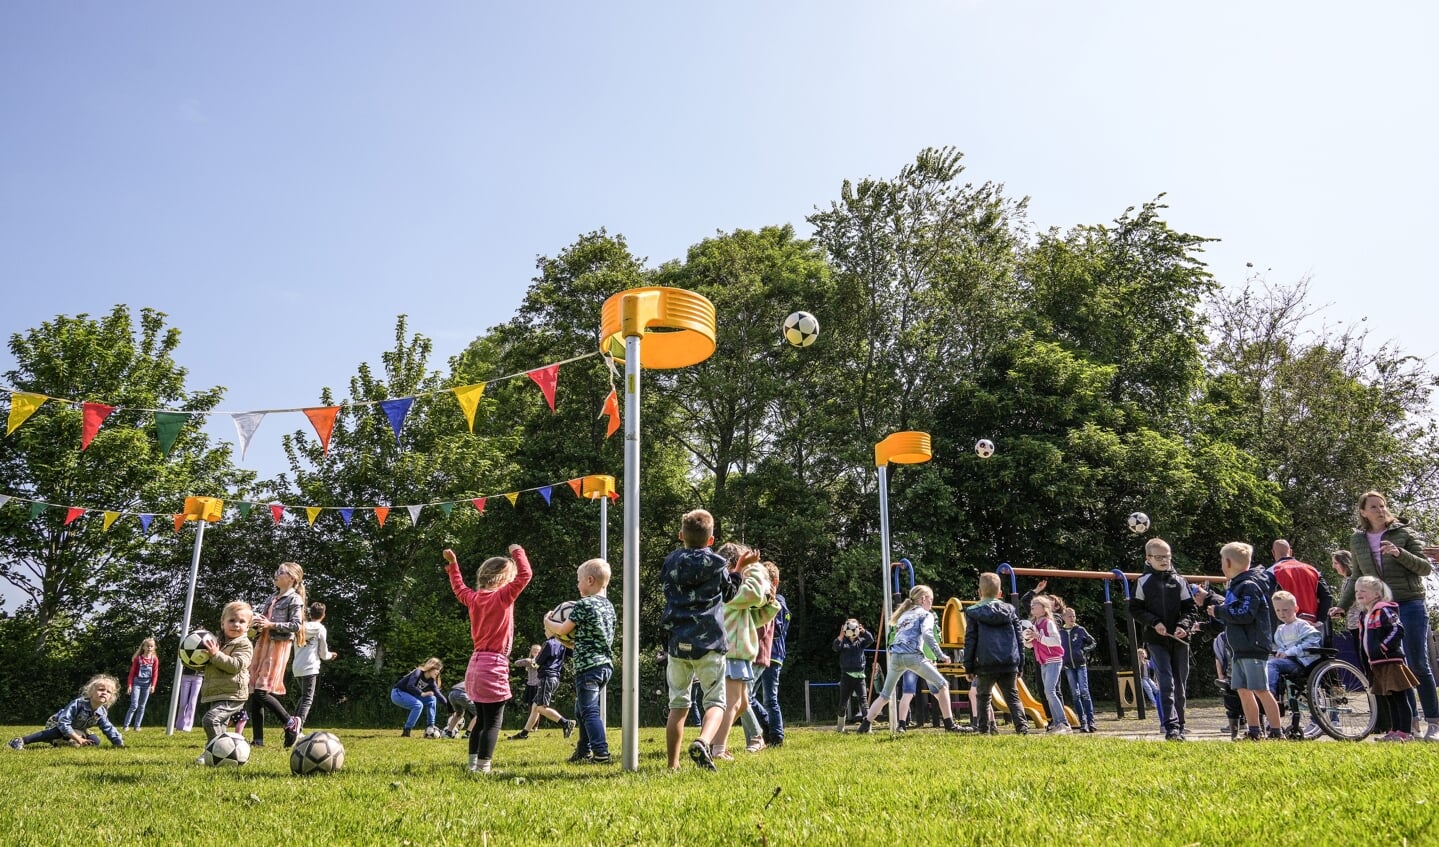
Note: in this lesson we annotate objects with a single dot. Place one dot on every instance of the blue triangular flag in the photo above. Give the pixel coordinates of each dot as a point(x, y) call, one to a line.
point(545, 493)
point(396, 410)
point(145, 522)
point(345, 515)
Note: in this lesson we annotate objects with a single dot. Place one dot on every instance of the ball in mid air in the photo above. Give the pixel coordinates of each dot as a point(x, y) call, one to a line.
point(801, 329)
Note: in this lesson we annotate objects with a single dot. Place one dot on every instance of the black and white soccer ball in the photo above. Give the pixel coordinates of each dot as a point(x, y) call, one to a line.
point(318, 752)
point(560, 614)
point(228, 749)
point(193, 654)
point(1138, 522)
point(984, 447)
point(432, 731)
point(801, 329)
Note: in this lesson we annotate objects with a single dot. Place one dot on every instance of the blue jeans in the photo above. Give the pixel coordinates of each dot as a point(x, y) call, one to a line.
point(406, 700)
point(589, 684)
point(1171, 671)
point(768, 687)
point(139, 696)
point(753, 719)
point(1415, 619)
point(1079, 688)
point(1276, 667)
point(1049, 674)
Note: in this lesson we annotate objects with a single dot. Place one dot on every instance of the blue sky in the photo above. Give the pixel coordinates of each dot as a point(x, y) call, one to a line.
point(284, 179)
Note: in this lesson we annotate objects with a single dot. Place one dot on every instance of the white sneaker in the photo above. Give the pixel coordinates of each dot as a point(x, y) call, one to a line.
point(1432, 733)
point(1312, 731)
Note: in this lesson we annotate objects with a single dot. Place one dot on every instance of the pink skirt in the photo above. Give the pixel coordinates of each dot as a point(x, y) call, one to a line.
point(267, 671)
point(487, 678)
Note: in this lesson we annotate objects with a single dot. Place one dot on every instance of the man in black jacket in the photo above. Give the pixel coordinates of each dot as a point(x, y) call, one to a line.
point(1163, 609)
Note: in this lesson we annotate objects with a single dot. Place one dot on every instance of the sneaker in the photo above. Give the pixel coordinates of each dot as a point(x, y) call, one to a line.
point(567, 728)
point(17, 744)
point(1253, 735)
point(525, 733)
point(576, 758)
point(200, 760)
point(1396, 736)
point(700, 755)
point(1173, 735)
point(292, 731)
point(598, 760)
point(1059, 729)
point(1276, 734)
point(260, 743)
point(1432, 732)
point(1312, 731)
point(482, 766)
point(404, 733)
point(864, 726)
point(754, 746)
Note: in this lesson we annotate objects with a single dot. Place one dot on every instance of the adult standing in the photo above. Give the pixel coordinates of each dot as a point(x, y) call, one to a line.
point(1385, 547)
point(1311, 593)
point(1164, 609)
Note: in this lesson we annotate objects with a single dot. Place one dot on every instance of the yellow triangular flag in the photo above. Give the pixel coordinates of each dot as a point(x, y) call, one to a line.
point(469, 397)
point(512, 497)
point(313, 512)
point(22, 406)
point(110, 517)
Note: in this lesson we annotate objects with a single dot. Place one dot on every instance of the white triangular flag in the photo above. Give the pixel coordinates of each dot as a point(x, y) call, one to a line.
point(415, 514)
point(4, 498)
point(245, 425)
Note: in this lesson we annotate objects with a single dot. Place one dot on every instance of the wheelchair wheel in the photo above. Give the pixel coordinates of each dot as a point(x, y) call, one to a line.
point(1340, 700)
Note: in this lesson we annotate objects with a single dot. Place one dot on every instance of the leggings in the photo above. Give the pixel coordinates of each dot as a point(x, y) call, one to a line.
point(850, 689)
point(1401, 713)
point(307, 696)
point(487, 729)
point(259, 702)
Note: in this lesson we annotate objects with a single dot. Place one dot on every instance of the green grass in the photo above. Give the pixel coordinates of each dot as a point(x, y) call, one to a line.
point(924, 787)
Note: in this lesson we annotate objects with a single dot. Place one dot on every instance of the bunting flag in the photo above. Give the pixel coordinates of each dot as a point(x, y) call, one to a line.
point(546, 378)
point(396, 410)
point(545, 493)
point(614, 496)
point(479, 504)
point(415, 514)
point(576, 486)
point(245, 509)
point(4, 498)
point(313, 512)
point(612, 409)
point(94, 414)
point(324, 422)
point(179, 521)
point(167, 428)
point(446, 508)
point(22, 406)
point(382, 512)
point(245, 425)
point(512, 497)
point(71, 514)
point(36, 509)
point(110, 518)
point(277, 511)
point(469, 397)
point(346, 514)
point(145, 522)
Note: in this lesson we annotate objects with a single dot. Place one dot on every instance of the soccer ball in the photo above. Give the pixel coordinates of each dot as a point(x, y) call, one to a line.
point(228, 749)
point(984, 447)
point(1138, 522)
point(193, 654)
point(801, 329)
point(318, 752)
point(560, 614)
point(432, 731)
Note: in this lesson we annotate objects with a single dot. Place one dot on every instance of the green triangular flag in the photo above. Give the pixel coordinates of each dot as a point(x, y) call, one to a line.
point(36, 508)
point(245, 510)
point(447, 508)
point(167, 428)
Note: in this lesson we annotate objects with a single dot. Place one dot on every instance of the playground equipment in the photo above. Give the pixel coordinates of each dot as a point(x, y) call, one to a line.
point(202, 510)
point(904, 448)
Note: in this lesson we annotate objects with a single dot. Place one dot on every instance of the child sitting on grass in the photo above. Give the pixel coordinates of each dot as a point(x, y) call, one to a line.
point(69, 724)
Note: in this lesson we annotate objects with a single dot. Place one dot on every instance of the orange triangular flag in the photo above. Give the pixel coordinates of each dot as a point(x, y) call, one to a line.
point(546, 378)
point(512, 497)
point(324, 422)
point(93, 414)
point(382, 512)
point(22, 406)
point(469, 397)
point(313, 512)
point(575, 485)
point(72, 513)
point(611, 408)
point(179, 521)
point(479, 503)
point(110, 518)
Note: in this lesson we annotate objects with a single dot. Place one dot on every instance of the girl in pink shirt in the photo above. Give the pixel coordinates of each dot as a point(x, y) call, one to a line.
point(1049, 653)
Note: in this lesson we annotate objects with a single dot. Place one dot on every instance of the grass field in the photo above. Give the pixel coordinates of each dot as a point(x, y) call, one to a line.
point(923, 787)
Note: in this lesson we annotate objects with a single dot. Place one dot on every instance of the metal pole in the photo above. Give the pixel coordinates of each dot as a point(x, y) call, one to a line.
point(605, 554)
point(185, 625)
point(884, 580)
point(630, 702)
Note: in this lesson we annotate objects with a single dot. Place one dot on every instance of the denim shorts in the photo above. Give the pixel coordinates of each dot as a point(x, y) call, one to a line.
point(740, 669)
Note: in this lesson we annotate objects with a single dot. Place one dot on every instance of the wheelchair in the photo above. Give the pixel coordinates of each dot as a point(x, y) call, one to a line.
point(1336, 696)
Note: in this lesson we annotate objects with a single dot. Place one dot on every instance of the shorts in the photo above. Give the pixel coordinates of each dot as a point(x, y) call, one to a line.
point(739, 669)
point(542, 694)
point(460, 703)
point(707, 672)
point(1252, 674)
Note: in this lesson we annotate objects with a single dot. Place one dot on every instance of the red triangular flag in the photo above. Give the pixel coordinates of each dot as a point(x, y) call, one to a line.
point(72, 513)
point(324, 422)
point(277, 510)
point(95, 414)
point(575, 485)
point(612, 408)
point(179, 522)
point(614, 496)
point(382, 512)
point(479, 503)
point(546, 378)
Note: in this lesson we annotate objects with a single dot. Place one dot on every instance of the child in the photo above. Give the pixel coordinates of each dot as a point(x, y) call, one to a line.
point(1383, 640)
point(1146, 681)
point(592, 628)
point(1049, 655)
point(491, 606)
point(913, 623)
point(750, 608)
point(853, 640)
point(1163, 607)
point(144, 680)
point(227, 674)
point(767, 685)
point(1293, 639)
point(544, 665)
point(314, 648)
point(278, 621)
point(462, 711)
point(190, 679)
point(1077, 643)
point(755, 716)
point(419, 691)
point(1245, 615)
point(1223, 663)
point(696, 584)
point(87, 710)
point(992, 654)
